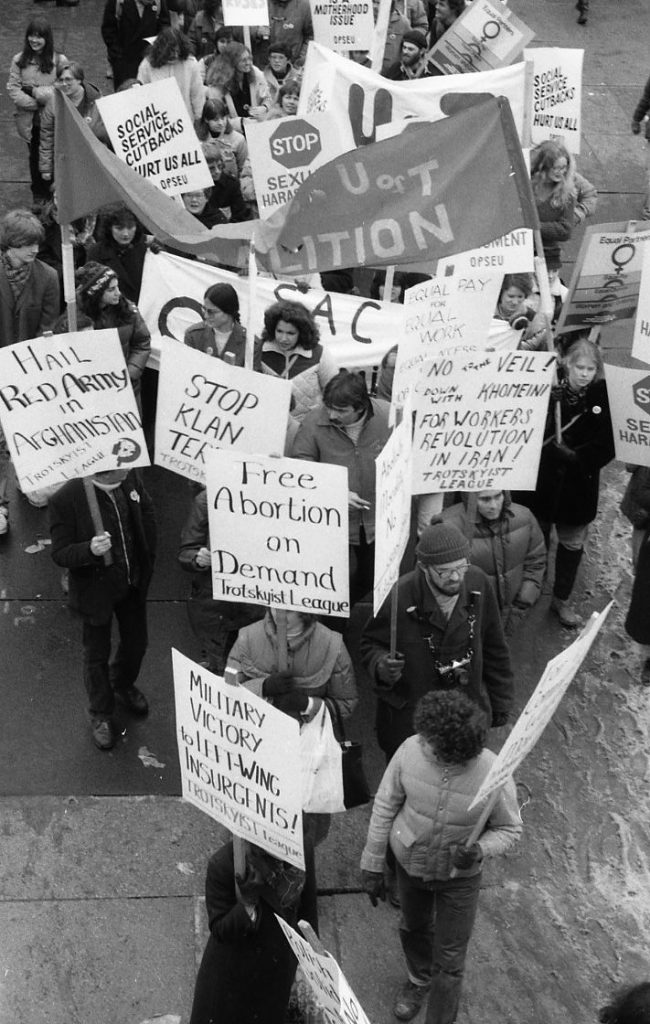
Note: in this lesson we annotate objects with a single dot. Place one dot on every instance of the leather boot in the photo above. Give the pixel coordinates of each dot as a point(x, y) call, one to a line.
point(583, 10)
point(567, 561)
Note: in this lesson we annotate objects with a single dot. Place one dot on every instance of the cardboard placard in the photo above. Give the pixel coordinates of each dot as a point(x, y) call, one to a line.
point(628, 391)
point(556, 98)
point(394, 471)
point(486, 36)
point(343, 24)
point(245, 12)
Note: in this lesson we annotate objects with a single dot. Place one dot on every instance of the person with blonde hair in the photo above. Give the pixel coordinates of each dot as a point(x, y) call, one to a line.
point(552, 173)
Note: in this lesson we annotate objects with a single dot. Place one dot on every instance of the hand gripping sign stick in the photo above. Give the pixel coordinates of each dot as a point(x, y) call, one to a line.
point(96, 516)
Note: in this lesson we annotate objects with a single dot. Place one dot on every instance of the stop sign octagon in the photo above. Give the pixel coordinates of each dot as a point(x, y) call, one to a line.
point(295, 143)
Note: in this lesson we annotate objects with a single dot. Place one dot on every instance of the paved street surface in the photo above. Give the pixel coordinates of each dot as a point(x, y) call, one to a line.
point(102, 865)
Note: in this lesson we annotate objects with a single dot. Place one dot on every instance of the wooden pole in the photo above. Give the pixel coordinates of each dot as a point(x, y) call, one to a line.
point(250, 319)
point(388, 283)
point(96, 515)
point(67, 259)
point(393, 620)
point(281, 636)
point(379, 38)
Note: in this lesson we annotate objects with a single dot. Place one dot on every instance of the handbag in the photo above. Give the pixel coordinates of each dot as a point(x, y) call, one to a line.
point(356, 790)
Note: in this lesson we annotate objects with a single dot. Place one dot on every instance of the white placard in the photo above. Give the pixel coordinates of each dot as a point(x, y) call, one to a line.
point(205, 403)
point(152, 132)
point(479, 422)
point(239, 759)
point(245, 12)
point(279, 530)
point(343, 24)
point(67, 408)
point(486, 36)
point(394, 471)
point(511, 254)
point(556, 98)
point(628, 391)
point(641, 336)
point(541, 707)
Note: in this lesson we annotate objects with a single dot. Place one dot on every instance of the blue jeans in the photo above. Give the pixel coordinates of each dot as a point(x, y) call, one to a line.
point(435, 927)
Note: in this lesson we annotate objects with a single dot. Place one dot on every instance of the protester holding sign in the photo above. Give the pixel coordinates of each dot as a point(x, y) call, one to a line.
point(279, 68)
point(291, 350)
point(221, 334)
point(524, 327)
point(569, 471)
point(422, 810)
point(286, 104)
point(552, 176)
point(248, 95)
point(171, 57)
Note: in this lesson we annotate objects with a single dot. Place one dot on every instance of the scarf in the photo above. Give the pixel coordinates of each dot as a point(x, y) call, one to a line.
point(16, 276)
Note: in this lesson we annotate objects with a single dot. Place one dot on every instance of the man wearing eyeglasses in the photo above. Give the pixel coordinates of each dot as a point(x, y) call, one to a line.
point(449, 636)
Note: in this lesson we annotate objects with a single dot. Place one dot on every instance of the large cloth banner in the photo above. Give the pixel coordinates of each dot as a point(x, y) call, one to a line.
point(628, 390)
point(67, 408)
point(152, 132)
point(279, 530)
point(205, 403)
point(479, 422)
point(393, 469)
point(607, 276)
point(357, 332)
point(486, 36)
point(541, 707)
point(361, 99)
point(556, 98)
point(239, 759)
point(343, 24)
point(332, 993)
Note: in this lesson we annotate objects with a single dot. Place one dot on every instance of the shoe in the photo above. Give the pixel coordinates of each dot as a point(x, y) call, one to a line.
point(65, 581)
point(409, 1000)
point(566, 615)
point(582, 18)
point(4, 520)
point(102, 730)
point(133, 700)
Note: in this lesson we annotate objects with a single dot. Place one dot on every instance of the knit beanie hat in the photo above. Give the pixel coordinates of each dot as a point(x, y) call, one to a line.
point(225, 298)
point(417, 38)
point(94, 278)
point(441, 542)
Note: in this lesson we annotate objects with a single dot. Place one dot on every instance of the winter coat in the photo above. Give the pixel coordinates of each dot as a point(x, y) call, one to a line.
point(398, 24)
point(87, 109)
point(641, 110)
point(319, 440)
point(260, 97)
point(127, 262)
point(635, 505)
point(637, 622)
point(586, 199)
point(423, 806)
point(201, 337)
point(556, 224)
point(309, 371)
point(134, 338)
point(275, 84)
point(317, 660)
point(510, 550)
point(567, 492)
point(289, 23)
point(487, 679)
point(126, 36)
point(232, 146)
point(41, 83)
point(201, 32)
point(186, 72)
point(37, 306)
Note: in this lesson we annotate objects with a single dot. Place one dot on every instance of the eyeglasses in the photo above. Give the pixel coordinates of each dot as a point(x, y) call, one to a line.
point(448, 574)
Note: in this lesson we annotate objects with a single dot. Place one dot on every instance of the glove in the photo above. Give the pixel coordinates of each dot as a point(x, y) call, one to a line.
point(250, 886)
point(291, 702)
point(562, 452)
point(636, 128)
point(277, 683)
point(389, 670)
point(499, 718)
point(465, 858)
point(373, 884)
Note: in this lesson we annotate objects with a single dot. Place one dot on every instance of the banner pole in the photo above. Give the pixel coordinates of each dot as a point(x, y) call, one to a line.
point(67, 259)
point(393, 620)
point(526, 133)
point(95, 515)
point(250, 319)
point(379, 38)
point(281, 635)
point(388, 283)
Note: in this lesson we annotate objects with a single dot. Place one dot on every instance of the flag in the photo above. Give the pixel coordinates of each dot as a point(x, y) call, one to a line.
point(88, 175)
point(437, 189)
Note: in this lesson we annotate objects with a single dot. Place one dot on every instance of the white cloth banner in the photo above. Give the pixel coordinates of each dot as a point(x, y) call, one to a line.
point(205, 403)
point(239, 759)
point(628, 391)
point(479, 422)
point(356, 332)
point(279, 530)
point(152, 132)
point(343, 25)
point(486, 36)
point(394, 470)
point(67, 408)
point(556, 99)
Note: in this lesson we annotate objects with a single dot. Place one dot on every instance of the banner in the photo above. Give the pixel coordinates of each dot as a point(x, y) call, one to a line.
point(281, 526)
point(641, 336)
point(394, 470)
point(486, 36)
point(343, 25)
point(556, 100)
point(239, 759)
point(479, 421)
point(332, 993)
point(628, 390)
point(541, 707)
point(357, 332)
point(205, 403)
point(396, 203)
point(361, 100)
point(67, 408)
point(245, 12)
point(285, 152)
point(606, 277)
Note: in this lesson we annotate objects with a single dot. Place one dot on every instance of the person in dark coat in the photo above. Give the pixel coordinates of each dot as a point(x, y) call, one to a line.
point(248, 966)
point(221, 334)
point(568, 481)
point(126, 25)
point(120, 244)
point(29, 289)
point(449, 636)
point(413, 62)
point(98, 591)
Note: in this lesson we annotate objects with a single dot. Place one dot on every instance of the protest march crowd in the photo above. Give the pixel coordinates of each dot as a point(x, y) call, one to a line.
point(473, 560)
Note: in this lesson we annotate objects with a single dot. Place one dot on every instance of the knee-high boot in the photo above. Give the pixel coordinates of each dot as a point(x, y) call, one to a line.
point(567, 561)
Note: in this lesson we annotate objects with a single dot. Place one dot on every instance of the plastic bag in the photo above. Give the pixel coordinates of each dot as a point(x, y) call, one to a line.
point(320, 755)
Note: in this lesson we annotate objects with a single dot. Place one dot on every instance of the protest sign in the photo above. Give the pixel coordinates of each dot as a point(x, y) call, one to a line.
point(331, 990)
point(281, 526)
point(628, 390)
point(357, 332)
point(151, 130)
point(641, 336)
point(479, 421)
point(361, 100)
point(541, 707)
point(556, 99)
point(343, 24)
point(245, 12)
point(486, 36)
point(239, 759)
point(607, 276)
point(205, 403)
point(67, 408)
point(511, 254)
point(285, 152)
point(393, 508)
